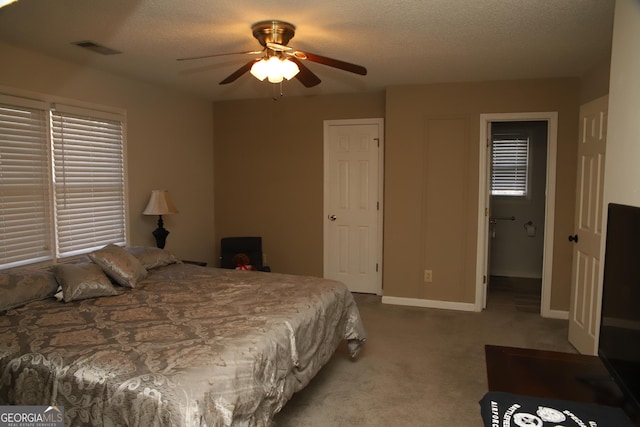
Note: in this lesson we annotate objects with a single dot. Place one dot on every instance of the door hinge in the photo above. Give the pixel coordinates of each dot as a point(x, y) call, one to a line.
point(484, 279)
point(378, 141)
point(376, 267)
point(486, 211)
point(378, 206)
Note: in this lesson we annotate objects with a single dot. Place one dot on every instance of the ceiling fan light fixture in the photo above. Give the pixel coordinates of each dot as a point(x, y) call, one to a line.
point(289, 69)
point(274, 69)
point(274, 65)
point(260, 70)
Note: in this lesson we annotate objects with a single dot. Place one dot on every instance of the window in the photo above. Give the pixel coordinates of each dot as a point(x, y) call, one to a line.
point(509, 166)
point(24, 184)
point(61, 180)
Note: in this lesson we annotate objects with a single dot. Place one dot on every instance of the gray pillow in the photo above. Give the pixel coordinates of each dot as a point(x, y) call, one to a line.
point(151, 257)
point(19, 287)
point(81, 281)
point(120, 265)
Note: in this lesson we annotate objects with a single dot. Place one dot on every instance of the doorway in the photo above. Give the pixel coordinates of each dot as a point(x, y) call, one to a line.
point(524, 221)
point(517, 200)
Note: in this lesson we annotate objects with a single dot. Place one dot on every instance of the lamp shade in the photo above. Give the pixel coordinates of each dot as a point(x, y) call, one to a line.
point(160, 204)
point(260, 70)
point(289, 69)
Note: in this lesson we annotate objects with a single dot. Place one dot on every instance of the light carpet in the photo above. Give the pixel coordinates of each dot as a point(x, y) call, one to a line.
point(419, 367)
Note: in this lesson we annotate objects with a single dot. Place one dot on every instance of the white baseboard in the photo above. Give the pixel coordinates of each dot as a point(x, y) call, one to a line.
point(417, 302)
point(460, 306)
point(556, 314)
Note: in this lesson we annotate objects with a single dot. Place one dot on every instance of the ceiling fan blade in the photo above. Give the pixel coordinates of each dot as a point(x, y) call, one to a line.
point(251, 52)
point(239, 72)
point(305, 76)
point(346, 66)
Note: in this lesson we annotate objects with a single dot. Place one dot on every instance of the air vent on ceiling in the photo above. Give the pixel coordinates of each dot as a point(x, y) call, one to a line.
point(103, 50)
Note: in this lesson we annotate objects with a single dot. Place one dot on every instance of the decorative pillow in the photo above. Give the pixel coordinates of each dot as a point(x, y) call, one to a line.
point(81, 281)
point(120, 265)
point(22, 286)
point(152, 257)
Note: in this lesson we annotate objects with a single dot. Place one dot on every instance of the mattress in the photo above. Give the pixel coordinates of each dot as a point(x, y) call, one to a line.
point(188, 346)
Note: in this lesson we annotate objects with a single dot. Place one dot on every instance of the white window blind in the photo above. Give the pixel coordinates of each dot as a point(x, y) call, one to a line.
point(509, 168)
point(62, 189)
point(89, 181)
point(25, 232)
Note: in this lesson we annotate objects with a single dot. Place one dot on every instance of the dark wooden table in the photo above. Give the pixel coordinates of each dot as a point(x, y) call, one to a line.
point(550, 374)
point(554, 375)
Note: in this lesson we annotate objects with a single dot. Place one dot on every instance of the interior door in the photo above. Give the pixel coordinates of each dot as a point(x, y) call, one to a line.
point(588, 226)
point(353, 204)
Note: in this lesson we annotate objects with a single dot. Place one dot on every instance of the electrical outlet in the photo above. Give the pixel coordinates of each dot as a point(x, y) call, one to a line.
point(428, 276)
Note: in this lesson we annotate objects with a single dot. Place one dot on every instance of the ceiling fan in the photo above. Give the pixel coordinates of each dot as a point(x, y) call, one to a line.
point(278, 60)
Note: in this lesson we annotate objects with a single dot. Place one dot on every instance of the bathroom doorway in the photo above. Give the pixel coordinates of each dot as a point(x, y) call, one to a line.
point(517, 206)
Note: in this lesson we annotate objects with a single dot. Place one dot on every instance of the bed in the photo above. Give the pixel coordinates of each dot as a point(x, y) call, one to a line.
point(175, 345)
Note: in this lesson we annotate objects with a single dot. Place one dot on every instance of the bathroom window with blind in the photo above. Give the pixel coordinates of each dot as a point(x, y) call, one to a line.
point(510, 165)
point(62, 188)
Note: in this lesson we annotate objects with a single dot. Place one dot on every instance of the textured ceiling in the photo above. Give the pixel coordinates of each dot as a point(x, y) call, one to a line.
point(399, 41)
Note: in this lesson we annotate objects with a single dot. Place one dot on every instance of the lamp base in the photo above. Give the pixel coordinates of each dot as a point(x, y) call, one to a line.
point(160, 233)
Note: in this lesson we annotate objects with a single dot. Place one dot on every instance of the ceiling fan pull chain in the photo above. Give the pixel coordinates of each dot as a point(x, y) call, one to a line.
point(275, 96)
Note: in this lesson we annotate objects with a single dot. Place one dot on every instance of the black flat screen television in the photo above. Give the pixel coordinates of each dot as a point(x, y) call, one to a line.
point(619, 340)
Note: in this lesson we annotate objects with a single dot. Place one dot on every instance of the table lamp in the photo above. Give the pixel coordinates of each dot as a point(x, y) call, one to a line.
point(160, 204)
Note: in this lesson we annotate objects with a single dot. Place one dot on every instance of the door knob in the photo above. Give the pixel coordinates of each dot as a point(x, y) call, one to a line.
point(332, 217)
point(573, 238)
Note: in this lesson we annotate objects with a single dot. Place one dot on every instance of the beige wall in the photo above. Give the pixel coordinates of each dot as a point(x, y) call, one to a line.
point(622, 174)
point(431, 185)
point(269, 165)
point(595, 82)
point(169, 143)
point(269, 172)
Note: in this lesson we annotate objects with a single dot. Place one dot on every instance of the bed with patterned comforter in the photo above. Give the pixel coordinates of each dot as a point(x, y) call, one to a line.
point(188, 346)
